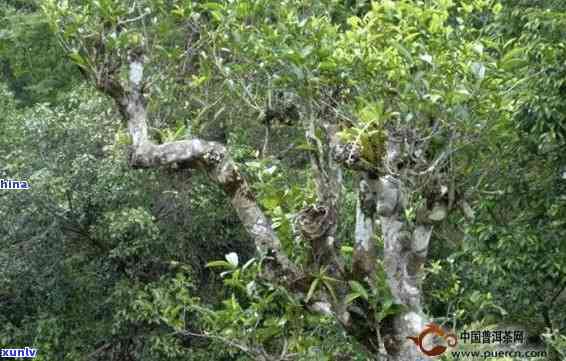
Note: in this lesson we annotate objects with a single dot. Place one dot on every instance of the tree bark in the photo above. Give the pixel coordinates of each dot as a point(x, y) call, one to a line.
point(319, 223)
point(209, 156)
point(405, 243)
point(405, 249)
point(364, 257)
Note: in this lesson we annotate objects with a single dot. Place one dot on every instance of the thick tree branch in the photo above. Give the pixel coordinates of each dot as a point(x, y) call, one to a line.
point(364, 257)
point(405, 250)
point(211, 157)
point(319, 223)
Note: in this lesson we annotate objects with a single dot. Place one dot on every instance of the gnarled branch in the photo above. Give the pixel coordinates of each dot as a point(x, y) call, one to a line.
point(200, 154)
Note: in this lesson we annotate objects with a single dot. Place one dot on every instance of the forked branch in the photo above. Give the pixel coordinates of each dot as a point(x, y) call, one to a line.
point(200, 154)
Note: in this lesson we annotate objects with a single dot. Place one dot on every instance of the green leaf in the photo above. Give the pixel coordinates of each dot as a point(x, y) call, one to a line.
point(403, 52)
point(327, 65)
point(347, 249)
point(212, 6)
point(330, 288)
point(312, 289)
point(248, 263)
point(271, 202)
point(351, 297)
point(222, 264)
point(217, 15)
point(514, 59)
point(78, 59)
point(390, 308)
point(180, 132)
point(359, 289)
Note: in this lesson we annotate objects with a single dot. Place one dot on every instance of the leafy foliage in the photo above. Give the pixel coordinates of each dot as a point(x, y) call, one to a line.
point(103, 262)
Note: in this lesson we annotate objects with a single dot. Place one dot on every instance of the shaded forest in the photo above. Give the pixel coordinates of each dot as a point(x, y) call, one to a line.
point(255, 180)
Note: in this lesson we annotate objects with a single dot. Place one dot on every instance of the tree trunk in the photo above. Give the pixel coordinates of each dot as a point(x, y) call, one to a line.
point(364, 257)
point(405, 242)
point(405, 249)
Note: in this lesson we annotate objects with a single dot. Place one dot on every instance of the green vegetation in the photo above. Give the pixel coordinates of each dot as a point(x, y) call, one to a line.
point(407, 156)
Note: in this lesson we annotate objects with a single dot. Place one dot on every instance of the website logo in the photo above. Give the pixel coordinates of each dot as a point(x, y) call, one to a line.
point(434, 329)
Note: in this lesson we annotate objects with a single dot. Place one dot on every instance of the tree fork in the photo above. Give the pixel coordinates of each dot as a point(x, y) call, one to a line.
point(211, 157)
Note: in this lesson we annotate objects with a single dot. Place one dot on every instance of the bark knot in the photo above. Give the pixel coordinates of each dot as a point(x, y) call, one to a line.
point(314, 222)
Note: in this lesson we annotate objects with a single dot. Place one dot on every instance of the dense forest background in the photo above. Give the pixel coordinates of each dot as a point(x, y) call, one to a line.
point(102, 260)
